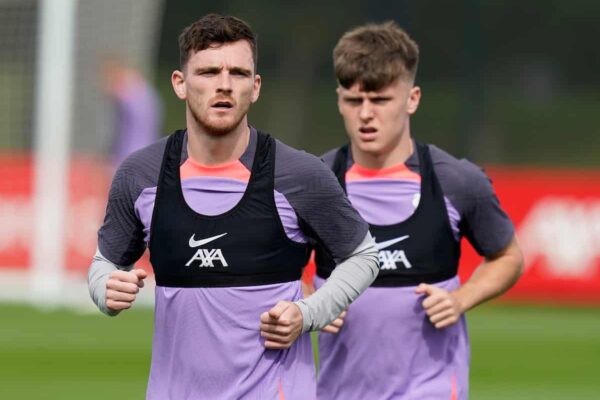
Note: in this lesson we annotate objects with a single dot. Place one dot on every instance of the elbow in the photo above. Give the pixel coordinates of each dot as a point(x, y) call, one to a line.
point(519, 262)
point(369, 255)
point(520, 265)
point(372, 255)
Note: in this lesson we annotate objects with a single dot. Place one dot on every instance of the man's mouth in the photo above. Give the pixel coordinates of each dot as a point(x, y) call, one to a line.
point(367, 129)
point(367, 133)
point(224, 104)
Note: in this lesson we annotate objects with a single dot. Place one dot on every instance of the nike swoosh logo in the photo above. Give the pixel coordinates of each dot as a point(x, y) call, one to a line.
point(388, 243)
point(198, 243)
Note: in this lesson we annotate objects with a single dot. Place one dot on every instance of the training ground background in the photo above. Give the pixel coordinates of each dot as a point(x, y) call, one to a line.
point(518, 352)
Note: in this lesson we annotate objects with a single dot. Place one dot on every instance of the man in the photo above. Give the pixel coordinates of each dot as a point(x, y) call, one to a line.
point(229, 215)
point(137, 107)
point(406, 337)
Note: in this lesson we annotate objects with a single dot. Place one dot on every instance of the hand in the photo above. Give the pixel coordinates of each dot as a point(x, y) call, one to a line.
point(281, 325)
point(122, 287)
point(441, 306)
point(336, 324)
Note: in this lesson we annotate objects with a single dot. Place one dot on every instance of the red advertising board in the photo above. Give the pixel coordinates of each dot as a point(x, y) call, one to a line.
point(89, 180)
point(557, 216)
point(556, 212)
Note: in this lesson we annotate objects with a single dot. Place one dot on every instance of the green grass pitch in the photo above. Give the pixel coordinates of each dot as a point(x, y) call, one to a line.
point(518, 352)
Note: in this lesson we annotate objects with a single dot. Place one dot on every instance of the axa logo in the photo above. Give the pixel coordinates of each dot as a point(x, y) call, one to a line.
point(206, 257)
point(389, 259)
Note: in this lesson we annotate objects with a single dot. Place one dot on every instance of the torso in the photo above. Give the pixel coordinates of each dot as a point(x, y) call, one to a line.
point(422, 247)
point(206, 340)
point(387, 348)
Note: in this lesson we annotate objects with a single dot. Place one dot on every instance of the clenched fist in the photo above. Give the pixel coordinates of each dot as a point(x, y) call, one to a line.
point(441, 306)
point(281, 325)
point(122, 288)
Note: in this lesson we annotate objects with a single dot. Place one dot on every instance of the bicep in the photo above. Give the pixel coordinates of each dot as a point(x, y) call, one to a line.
point(121, 236)
point(511, 251)
point(487, 226)
point(483, 221)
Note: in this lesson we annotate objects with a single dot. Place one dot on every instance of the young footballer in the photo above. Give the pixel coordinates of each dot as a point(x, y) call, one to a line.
point(406, 337)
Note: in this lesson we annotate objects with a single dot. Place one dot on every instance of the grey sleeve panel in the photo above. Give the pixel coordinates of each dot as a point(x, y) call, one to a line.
point(121, 236)
point(348, 280)
point(97, 276)
point(483, 221)
point(324, 212)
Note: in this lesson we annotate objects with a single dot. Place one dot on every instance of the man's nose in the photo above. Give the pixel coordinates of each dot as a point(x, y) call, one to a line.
point(224, 82)
point(366, 111)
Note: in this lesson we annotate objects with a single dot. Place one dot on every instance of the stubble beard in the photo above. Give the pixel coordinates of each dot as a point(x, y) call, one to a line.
point(221, 127)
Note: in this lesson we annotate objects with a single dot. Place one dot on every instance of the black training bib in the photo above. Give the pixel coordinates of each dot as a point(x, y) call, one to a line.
point(245, 246)
point(421, 249)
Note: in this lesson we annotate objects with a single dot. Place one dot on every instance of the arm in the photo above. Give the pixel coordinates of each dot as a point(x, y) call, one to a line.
point(493, 277)
point(348, 280)
point(282, 325)
point(121, 239)
point(113, 288)
point(487, 227)
point(308, 288)
point(326, 216)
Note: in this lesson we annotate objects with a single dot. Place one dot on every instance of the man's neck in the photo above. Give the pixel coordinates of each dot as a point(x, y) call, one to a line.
point(398, 155)
point(207, 149)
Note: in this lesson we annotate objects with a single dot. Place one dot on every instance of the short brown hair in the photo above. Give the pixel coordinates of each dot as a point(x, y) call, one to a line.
point(213, 30)
point(375, 55)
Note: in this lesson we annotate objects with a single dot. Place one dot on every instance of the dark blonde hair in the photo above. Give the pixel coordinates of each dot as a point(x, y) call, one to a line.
point(214, 30)
point(375, 55)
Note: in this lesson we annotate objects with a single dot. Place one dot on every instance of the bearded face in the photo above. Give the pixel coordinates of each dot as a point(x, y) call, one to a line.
point(219, 85)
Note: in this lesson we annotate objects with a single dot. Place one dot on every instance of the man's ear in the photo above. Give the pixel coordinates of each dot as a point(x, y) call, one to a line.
point(338, 91)
point(414, 99)
point(256, 88)
point(178, 82)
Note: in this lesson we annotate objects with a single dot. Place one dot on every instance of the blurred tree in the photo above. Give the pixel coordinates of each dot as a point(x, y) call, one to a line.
point(503, 81)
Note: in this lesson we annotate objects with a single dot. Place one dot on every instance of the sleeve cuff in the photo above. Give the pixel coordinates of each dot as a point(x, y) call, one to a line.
point(306, 318)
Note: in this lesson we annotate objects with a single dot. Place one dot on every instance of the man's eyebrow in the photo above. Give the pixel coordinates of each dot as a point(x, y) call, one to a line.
point(241, 70)
point(352, 97)
point(207, 69)
point(380, 97)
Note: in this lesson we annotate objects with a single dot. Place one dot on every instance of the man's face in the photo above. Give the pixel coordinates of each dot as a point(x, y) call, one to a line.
point(376, 121)
point(218, 85)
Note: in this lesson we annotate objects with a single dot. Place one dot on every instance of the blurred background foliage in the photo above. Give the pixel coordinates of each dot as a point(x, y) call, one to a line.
point(506, 82)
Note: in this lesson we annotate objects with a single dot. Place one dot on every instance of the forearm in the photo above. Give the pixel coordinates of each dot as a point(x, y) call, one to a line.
point(492, 278)
point(98, 274)
point(348, 280)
